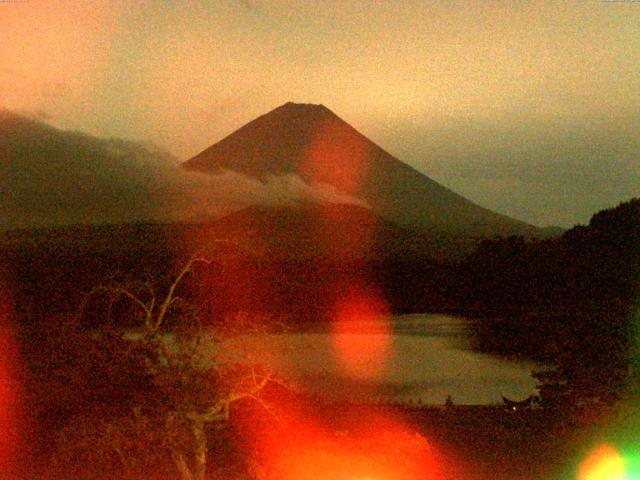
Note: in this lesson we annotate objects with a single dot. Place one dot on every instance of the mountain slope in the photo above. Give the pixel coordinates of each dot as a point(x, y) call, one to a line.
point(312, 142)
point(49, 176)
point(52, 177)
point(316, 230)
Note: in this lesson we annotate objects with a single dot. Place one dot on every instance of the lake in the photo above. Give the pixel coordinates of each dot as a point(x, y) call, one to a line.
point(425, 358)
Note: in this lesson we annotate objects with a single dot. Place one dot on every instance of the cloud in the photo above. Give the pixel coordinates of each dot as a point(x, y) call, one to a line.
point(203, 195)
point(49, 176)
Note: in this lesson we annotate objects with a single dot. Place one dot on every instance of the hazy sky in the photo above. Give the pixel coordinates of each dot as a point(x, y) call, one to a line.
point(530, 108)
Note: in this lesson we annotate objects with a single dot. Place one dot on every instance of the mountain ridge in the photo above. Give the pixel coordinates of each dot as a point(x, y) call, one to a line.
point(321, 230)
point(312, 142)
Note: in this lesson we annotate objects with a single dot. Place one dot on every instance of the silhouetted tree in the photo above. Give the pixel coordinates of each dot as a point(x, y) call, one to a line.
point(137, 403)
point(448, 402)
point(569, 301)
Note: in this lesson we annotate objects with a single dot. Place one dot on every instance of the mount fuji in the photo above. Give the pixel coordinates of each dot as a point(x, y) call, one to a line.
point(313, 145)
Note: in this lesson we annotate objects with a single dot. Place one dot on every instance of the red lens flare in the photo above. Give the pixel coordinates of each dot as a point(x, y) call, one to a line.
point(10, 393)
point(361, 333)
point(231, 280)
point(337, 156)
point(345, 232)
point(375, 446)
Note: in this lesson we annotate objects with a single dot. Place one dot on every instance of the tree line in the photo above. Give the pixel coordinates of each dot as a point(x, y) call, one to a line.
point(571, 301)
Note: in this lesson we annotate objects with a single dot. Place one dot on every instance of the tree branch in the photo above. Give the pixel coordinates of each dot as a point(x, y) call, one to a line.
point(164, 307)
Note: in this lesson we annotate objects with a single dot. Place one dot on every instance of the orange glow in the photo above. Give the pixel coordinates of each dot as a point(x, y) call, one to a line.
point(361, 332)
point(9, 391)
point(603, 463)
point(375, 446)
point(338, 156)
point(344, 233)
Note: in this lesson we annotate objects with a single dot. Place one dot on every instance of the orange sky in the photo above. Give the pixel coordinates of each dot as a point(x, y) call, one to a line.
point(416, 78)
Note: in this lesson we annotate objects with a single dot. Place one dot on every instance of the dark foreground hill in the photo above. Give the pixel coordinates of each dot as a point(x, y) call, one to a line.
point(52, 177)
point(324, 232)
point(311, 142)
point(289, 261)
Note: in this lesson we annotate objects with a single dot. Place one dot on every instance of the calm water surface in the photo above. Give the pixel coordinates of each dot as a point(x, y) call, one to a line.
point(428, 358)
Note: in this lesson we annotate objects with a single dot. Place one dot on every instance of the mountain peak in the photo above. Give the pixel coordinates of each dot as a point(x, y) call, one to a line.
point(302, 109)
point(273, 144)
point(311, 142)
point(302, 106)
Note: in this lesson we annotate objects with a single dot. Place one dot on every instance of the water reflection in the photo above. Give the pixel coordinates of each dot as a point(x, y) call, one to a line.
point(429, 359)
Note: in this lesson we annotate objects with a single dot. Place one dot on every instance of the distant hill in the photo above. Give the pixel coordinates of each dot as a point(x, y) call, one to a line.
point(295, 154)
point(282, 259)
point(325, 231)
point(311, 142)
point(51, 177)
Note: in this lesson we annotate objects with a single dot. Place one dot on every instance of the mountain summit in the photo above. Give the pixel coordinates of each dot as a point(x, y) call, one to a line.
point(313, 143)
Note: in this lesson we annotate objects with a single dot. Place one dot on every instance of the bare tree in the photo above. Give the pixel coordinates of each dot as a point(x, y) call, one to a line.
point(154, 387)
